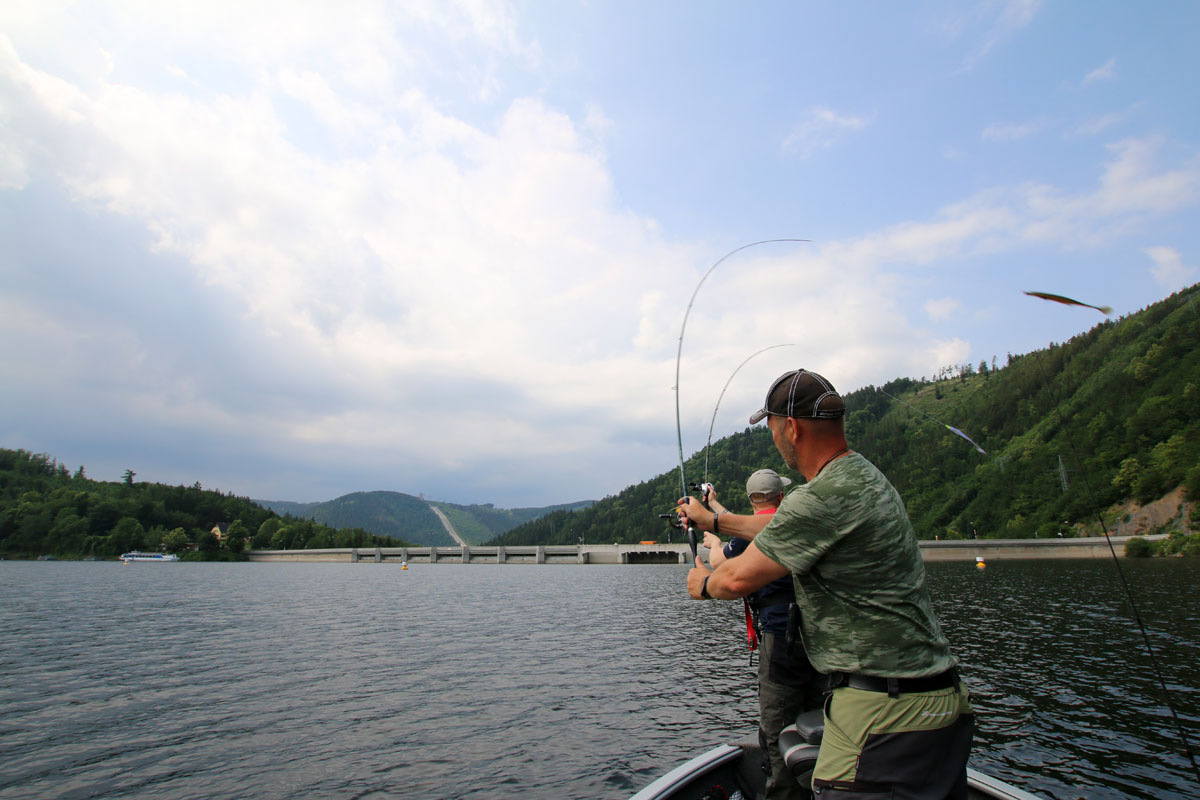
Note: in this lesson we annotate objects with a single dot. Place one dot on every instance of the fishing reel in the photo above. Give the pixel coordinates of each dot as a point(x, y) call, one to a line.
point(673, 520)
point(676, 522)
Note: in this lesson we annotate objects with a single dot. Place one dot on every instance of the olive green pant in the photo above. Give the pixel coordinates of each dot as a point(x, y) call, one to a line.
point(902, 748)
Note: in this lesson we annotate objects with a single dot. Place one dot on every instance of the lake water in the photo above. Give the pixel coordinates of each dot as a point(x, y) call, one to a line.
point(484, 681)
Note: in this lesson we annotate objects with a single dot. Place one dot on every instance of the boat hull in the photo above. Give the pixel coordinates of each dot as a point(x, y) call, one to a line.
point(736, 768)
point(147, 557)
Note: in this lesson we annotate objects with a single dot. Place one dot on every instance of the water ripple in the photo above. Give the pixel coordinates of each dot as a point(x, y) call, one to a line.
point(364, 681)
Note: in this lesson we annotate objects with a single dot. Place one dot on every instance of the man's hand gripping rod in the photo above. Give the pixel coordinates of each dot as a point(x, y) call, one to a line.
point(675, 522)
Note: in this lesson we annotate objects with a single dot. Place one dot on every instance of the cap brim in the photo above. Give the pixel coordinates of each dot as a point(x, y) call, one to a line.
point(758, 416)
point(786, 480)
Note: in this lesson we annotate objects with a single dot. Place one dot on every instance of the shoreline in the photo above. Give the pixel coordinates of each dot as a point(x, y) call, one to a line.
point(1088, 547)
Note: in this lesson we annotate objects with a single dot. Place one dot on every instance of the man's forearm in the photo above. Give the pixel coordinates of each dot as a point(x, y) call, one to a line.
point(743, 526)
point(717, 585)
point(737, 577)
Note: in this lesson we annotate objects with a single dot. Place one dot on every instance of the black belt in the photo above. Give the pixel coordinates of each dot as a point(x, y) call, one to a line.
point(894, 686)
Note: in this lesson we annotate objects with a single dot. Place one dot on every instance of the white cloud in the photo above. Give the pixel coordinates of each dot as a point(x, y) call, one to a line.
point(1169, 270)
point(941, 308)
point(990, 24)
point(1131, 184)
point(823, 129)
point(360, 273)
point(1008, 132)
point(948, 353)
point(1132, 187)
point(1106, 71)
point(1101, 123)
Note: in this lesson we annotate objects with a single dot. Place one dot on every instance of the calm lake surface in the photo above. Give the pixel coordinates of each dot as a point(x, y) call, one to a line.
point(483, 681)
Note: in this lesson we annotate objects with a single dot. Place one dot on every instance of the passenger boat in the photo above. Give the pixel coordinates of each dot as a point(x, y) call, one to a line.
point(733, 772)
point(139, 556)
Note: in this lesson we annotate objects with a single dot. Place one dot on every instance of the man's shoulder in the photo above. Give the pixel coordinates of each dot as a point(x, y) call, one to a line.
point(850, 488)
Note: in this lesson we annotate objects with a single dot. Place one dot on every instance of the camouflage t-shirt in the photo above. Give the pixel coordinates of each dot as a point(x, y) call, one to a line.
point(860, 581)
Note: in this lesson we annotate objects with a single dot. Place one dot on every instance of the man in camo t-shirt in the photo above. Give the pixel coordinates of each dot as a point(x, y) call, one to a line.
point(898, 722)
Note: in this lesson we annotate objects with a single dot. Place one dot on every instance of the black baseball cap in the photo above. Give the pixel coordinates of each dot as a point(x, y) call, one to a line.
point(801, 394)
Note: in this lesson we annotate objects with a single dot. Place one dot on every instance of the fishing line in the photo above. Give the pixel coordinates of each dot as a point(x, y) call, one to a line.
point(950, 428)
point(679, 351)
point(708, 444)
point(1187, 749)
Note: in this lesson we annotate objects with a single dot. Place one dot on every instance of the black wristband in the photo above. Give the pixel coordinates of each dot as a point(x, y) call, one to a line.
point(704, 588)
point(716, 525)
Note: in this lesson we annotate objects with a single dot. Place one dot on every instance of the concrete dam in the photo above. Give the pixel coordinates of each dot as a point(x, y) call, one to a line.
point(968, 550)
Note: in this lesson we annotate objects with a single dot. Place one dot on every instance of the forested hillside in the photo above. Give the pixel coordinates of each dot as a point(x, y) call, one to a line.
point(46, 509)
point(1118, 405)
point(383, 513)
point(477, 524)
point(403, 515)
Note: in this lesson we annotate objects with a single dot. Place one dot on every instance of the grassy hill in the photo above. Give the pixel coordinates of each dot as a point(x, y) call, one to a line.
point(1069, 431)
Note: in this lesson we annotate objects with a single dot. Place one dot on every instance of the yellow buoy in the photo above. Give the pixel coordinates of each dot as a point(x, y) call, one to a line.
point(979, 562)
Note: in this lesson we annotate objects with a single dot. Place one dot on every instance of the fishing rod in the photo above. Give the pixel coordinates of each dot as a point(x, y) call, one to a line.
point(691, 531)
point(720, 397)
point(1187, 748)
point(679, 350)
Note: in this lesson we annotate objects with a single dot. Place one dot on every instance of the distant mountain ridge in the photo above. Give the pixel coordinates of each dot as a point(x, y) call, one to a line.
point(410, 518)
point(1071, 431)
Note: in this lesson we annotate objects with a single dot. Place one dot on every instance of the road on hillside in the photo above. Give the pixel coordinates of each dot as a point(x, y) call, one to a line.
point(449, 528)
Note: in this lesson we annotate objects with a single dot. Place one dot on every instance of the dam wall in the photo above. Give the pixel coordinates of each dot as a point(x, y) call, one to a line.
point(965, 550)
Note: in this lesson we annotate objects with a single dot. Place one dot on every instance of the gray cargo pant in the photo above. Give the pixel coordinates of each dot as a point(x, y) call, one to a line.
point(787, 685)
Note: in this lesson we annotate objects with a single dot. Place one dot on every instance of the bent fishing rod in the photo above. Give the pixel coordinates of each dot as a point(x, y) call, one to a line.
point(679, 356)
point(721, 396)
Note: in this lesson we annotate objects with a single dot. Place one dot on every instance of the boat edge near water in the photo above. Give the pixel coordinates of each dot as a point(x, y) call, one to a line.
point(738, 766)
point(136, 555)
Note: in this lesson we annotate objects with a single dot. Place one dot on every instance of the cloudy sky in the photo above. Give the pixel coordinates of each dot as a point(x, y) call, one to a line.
point(294, 250)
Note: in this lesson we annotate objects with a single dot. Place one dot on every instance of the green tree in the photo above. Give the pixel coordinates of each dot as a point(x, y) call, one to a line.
point(282, 539)
point(127, 535)
point(1137, 547)
point(103, 517)
point(235, 537)
point(1127, 475)
point(176, 540)
point(1191, 485)
point(262, 538)
point(68, 533)
point(207, 542)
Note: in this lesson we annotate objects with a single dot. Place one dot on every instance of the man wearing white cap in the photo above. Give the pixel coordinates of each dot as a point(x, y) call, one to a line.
point(787, 683)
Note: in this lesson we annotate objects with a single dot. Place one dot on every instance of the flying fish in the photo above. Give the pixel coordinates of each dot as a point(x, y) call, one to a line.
point(1066, 301)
